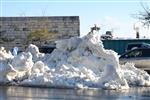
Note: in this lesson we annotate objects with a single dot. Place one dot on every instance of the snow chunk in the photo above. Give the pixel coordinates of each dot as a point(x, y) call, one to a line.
point(135, 76)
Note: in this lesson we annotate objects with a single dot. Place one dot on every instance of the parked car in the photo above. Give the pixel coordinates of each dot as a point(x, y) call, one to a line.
point(140, 57)
point(136, 45)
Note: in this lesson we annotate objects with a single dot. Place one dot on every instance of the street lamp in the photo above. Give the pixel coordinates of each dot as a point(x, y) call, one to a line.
point(137, 28)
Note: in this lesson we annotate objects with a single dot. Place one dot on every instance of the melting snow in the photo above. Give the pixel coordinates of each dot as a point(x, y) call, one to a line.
point(75, 63)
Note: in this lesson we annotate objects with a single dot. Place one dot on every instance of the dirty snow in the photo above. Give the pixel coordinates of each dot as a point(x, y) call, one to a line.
point(75, 63)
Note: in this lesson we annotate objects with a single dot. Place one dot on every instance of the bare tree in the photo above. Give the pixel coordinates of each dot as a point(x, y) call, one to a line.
point(144, 16)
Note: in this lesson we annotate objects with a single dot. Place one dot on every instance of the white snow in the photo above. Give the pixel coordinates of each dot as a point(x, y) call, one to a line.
point(75, 63)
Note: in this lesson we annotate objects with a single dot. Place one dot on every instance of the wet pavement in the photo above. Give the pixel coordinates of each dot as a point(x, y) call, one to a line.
point(33, 93)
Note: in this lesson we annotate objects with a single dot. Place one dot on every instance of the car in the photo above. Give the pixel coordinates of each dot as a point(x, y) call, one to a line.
point(140, 57)
point(136, 45)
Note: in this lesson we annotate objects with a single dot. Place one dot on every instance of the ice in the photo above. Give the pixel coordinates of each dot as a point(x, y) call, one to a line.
point(75, 63)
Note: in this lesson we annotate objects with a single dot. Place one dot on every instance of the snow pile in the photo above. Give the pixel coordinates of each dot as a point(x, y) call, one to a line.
point(4, 64)
point(36, 55)
point(135, 76)
point(4, 55)
point(75, 63)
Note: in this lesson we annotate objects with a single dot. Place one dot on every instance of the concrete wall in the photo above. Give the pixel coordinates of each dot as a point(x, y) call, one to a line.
point(14, 31)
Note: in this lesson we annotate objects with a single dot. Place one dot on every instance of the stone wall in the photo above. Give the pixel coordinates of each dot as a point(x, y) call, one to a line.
point(14, 31)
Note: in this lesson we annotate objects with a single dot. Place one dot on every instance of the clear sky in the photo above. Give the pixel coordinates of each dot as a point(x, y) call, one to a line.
point(108, 14)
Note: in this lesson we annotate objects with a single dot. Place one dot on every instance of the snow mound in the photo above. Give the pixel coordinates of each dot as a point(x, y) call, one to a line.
point(135, 76)
point(75, 63)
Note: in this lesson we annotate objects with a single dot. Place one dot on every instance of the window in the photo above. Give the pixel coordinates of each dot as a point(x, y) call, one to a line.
point(134, 53)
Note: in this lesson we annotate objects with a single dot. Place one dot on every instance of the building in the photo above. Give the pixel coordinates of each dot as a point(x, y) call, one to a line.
point(14, 31)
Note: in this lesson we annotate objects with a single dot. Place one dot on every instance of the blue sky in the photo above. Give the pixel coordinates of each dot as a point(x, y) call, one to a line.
point(108, 14)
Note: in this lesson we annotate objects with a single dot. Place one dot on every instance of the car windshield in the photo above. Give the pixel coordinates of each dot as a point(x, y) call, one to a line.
point(130, 46)
point(137, 45)
point(136, 53)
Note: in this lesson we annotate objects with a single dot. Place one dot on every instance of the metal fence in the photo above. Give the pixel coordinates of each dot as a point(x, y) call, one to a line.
point(120, 45)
